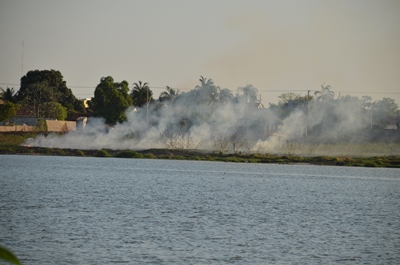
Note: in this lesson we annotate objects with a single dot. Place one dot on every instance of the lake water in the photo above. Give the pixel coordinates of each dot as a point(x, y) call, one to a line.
point(70, 210)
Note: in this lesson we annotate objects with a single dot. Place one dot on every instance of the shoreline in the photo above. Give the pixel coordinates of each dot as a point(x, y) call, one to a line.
point(13, 144)
point(391, 161)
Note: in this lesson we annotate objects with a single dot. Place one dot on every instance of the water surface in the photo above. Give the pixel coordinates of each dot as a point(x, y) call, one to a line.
point(70, 210)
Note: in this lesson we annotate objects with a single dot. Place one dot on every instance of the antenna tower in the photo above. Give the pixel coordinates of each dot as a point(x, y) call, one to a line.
point(22, 59)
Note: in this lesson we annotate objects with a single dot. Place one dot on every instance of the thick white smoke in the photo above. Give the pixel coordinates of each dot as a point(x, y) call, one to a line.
point(194, 121)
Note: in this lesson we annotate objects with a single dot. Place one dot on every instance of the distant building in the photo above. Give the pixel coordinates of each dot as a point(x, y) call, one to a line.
point(81, 123)
point(255, 105)
point(24, 116)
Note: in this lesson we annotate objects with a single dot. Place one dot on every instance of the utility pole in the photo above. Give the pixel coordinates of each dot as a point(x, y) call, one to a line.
point(371, 118)
point(307, 110)
point(147, 106)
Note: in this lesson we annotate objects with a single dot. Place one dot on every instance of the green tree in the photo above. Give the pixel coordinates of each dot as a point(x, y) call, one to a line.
point(7, 111)
point(383, 110)
point(207, 92)
point(8, 95)
point(288, 102)
point(110, 100)
point(53, 110)
point(225, 96)
point(249, 93)
point(141, 94)
point(285, 98)
point(204, 82)
point(325, 94)
point(35, 96)
point(169, 95)
point(56, 85)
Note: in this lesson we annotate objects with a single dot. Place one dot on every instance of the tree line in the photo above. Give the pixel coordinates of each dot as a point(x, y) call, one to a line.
point(44, 94)
point(377, 114)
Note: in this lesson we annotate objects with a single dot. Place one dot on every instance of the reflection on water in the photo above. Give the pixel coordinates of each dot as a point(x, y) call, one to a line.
point(67, 210)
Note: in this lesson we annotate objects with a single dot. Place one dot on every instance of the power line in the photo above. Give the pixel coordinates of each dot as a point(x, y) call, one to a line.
point(259, 90)
point(359, 92)
point(9, 84)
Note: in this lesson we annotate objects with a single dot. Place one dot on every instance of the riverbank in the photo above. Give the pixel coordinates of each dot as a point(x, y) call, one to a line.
point(11, 143)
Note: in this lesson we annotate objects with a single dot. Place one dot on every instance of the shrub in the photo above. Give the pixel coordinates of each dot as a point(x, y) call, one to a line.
point(102, 153)
point(10, 150)
point(42, 125)
point(129, 154)
point(61, 152)
point(80, 153)
point(370, 164)
point(233, 159)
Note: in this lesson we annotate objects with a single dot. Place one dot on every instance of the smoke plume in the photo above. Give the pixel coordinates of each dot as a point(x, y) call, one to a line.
point(200, 119)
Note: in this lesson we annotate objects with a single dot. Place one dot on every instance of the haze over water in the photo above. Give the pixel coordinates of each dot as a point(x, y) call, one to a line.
point(69, 210)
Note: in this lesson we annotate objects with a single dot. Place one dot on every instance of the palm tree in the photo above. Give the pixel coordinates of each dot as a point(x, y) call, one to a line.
point(325, 94)
point(225, 96)
point(8, 95)
point(207, 92)
point(169, 95)
point(204, 82)
point(141, 94)
point(249, 93)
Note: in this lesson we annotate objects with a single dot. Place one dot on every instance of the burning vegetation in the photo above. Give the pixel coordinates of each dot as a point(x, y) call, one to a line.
point(214, 119)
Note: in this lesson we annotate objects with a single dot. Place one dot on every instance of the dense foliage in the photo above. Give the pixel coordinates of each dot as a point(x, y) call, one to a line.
point(141, 94)
point(8, 95)
point(110, 100)
point(44, 94)
point(7, 111)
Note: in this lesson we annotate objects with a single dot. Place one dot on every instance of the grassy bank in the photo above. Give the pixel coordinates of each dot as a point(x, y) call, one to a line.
point(10, 143)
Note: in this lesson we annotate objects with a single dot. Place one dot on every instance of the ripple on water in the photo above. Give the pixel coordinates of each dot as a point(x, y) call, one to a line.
point(60, 210)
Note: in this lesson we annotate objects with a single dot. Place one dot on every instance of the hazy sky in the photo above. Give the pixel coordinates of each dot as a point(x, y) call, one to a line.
point(277, 46)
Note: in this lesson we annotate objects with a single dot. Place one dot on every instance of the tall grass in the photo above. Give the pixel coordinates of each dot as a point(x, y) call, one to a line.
point(366, 149)
point(7, 139)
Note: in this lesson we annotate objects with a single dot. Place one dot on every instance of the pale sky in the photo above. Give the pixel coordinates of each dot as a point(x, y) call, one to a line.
point(277, 46)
